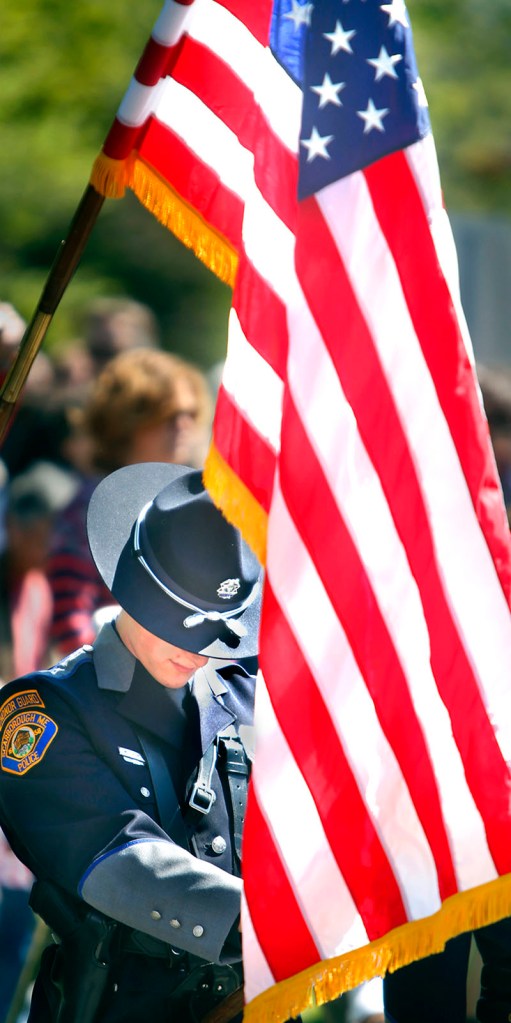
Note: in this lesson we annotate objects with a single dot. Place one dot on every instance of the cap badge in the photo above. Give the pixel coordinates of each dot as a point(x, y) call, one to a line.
point(228, 588)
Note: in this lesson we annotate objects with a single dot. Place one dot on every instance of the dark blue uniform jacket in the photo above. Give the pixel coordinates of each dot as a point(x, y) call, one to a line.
point(77, 800)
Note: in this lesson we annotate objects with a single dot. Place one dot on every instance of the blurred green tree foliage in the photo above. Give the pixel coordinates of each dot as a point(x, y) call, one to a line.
point(463, 49)
point(63, 70)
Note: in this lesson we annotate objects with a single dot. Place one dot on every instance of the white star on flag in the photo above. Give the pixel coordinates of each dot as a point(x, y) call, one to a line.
point(372, 117)
point(316, 145)
point(384, 64)
point(328, 91)
point(340, 39)
point(396, 12)
point(300, 14)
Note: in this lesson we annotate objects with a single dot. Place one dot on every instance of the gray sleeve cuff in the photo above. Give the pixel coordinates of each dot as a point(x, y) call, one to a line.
point(159, 888)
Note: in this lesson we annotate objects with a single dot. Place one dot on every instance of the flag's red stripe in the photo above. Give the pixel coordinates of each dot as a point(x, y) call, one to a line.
point(121, 140)
point(215, 83)
point(323, 531)
point(229, 98)
point(317, 750)
point(255, 16)
point(360, 374)
point(193, 180)
point(247, 453)
point(276, 915)
point(276, 173)
point(153, 63)
point(262, 316)
point(401, 214)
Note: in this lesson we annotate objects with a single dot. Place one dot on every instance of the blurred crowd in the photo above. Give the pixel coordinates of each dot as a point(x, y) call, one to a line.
point(111, 398)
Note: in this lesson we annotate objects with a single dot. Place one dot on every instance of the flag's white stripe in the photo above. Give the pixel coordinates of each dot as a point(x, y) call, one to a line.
point(422, 159)
point(270, 246)
point(324, 645)
point(231, 41)
point(172, 20)
point(206, 135)
point(259, 977)
point(315, 386)
point(280, 101)
point(484, 624)
point(300, 839)
point(247, 377)
point(138, 103)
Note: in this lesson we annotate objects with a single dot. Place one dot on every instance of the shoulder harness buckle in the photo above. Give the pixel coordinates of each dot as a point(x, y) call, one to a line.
point(202, 795)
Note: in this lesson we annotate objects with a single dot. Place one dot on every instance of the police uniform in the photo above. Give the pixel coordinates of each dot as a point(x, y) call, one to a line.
point(130, 795)
point(78, 801)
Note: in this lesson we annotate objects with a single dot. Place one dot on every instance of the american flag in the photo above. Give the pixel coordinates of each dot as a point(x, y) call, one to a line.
point(289, 144)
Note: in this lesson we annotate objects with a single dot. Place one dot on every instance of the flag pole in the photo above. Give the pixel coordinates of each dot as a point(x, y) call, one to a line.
point(64, 265)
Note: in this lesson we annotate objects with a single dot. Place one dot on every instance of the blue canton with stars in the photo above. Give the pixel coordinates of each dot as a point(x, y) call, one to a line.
point(362, 96)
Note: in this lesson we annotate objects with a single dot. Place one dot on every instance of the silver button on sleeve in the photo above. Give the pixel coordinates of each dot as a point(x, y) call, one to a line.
point(155, 914)
point(198, 931)
point(175, 923)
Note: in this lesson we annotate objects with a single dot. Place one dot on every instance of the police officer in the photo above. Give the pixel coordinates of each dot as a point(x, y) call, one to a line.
point(124, 767)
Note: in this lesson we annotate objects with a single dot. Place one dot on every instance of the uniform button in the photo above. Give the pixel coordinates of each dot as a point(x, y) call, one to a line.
point(145, 792)
point(219, 845)
point(175, 923)
point(198, 931)
point(155, 914)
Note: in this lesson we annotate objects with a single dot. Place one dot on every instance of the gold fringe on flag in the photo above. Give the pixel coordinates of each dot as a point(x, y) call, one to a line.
point(236, 502)
point(331, 978)
point(111, 178)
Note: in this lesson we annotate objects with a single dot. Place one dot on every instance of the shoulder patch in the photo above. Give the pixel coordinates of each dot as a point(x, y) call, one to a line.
point(27, 698)
point(25, 739)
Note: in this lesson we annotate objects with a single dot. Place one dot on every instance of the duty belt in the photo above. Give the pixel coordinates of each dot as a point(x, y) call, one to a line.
point(197, 987)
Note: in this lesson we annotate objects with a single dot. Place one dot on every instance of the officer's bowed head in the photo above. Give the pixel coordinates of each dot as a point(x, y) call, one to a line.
point(173, 562)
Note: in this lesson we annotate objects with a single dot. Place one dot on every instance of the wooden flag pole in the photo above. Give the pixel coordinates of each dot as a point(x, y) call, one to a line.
point(64, 265)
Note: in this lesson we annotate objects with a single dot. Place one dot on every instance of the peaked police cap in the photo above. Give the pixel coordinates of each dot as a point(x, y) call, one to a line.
point(173, 562)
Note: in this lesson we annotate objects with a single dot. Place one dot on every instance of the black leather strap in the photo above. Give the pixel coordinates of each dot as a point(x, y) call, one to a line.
point(237, 769)
point(169, 810)
point(202, 795)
